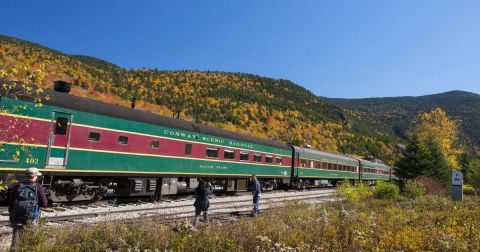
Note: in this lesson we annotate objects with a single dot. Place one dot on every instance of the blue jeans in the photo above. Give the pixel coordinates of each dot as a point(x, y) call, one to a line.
point(256, 203)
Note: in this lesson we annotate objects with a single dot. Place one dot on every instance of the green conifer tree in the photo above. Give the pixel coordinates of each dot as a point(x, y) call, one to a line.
point(416, 161)
point(439, 166)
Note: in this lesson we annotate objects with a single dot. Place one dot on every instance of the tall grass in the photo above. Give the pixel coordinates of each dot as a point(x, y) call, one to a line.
point(427, 223)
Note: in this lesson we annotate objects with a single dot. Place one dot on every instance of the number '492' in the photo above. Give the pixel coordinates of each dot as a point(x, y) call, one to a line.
point(31, 160)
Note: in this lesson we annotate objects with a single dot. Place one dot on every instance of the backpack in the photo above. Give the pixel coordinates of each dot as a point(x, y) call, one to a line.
point(25, 206)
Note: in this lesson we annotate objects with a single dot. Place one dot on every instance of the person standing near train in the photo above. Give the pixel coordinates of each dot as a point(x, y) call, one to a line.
point(25, 200)
point(201, 200)
point(256, 190)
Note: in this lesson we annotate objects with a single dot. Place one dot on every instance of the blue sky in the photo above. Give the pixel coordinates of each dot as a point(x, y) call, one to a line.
point(350, 49)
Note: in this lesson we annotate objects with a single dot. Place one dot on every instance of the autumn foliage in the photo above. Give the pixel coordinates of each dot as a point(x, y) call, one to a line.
point(268, 108)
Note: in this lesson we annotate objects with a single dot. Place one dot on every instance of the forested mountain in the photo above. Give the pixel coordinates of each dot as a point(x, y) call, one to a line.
point(264, 107)
point(395, 114)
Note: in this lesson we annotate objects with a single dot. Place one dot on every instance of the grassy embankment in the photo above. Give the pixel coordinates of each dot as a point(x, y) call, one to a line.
point(364, 222)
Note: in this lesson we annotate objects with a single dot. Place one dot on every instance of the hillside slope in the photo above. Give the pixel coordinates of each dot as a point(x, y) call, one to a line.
point(264, 107)
point(396, 113)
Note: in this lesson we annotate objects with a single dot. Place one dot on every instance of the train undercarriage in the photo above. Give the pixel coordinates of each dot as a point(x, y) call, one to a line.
point(63, 189)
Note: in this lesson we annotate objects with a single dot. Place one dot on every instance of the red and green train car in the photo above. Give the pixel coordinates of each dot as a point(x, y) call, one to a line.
point(88, 149)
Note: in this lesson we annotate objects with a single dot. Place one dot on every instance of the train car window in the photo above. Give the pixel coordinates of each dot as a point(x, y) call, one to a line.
point(94, 136)
point(303, 162)
point(188, 149)
point(212, 152)
point(257, 157)
point(122, 140)
point(330, 166)
point(229, 154)
point(61, 126)
point(311, 163)
point(324, 165)
point(278, 160)
point(244, 155)
point(268, 159)
point(154, 144)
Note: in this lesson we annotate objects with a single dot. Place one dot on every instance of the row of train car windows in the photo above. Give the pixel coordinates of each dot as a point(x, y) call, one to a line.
point(244, 156)
point(327, 166)
point(210, 152)
point(367, 170)
point(95, 137)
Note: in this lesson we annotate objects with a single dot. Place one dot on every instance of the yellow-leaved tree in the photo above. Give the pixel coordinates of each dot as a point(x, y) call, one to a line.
point(436, 125)
point(15, 84)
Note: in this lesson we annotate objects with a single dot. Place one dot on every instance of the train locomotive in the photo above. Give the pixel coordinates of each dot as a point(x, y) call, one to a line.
point(87, 149)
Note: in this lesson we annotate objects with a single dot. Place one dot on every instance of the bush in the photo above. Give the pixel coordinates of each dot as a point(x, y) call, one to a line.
point(433, 186)
point(414, 190)
point(469, 190)
point(354, 193)
point(384, 190)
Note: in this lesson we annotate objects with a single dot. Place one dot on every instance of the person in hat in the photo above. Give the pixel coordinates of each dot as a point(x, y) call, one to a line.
point(25, 199)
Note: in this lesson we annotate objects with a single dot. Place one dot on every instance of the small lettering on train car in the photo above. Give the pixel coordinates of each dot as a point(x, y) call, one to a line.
point(213, 140)
point(180, 134)
point(238, 144)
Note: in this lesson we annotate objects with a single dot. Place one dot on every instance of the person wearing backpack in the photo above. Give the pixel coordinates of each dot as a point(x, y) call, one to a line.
point(23, 207)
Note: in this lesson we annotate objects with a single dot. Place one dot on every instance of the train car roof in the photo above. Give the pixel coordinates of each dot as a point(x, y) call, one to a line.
point(92, 106)
point(326, 156)
point(374, 165)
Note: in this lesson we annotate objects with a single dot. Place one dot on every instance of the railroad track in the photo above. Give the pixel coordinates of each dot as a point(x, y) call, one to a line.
point(222, 209)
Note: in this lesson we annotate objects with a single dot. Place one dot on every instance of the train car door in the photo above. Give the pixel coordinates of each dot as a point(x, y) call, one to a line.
point(59, 140)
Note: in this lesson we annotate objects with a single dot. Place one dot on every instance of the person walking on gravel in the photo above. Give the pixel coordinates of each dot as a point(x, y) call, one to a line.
point(201, 200)
point(25, 200)
point(256, 190)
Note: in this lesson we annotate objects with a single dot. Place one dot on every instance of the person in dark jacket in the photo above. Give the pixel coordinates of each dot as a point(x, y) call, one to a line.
point(201, 200)
point(18, 217)
point(256, 190)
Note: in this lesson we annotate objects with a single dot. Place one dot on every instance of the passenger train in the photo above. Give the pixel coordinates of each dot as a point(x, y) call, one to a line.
point(87, 149)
